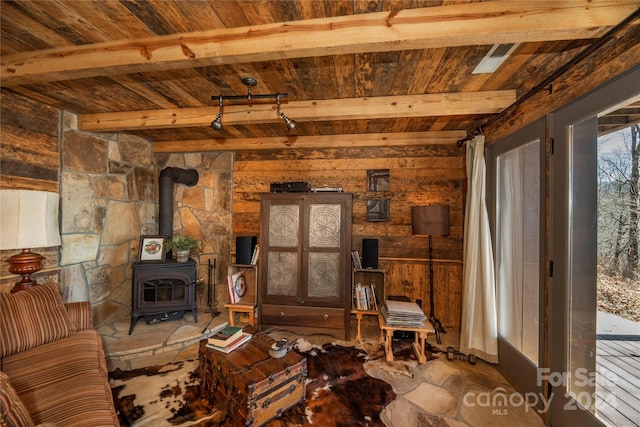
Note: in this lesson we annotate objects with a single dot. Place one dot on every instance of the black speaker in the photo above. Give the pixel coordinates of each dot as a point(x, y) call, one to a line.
point(370, 253)
point(244, 249)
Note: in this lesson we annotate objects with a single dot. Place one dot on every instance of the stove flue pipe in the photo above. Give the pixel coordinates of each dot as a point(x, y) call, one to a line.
point(167, 177)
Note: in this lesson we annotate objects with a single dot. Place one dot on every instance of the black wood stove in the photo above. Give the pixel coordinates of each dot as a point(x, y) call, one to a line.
point(163, 291)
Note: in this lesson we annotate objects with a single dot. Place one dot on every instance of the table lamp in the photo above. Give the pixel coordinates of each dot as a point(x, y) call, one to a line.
point(431, 220)
point(28, 219)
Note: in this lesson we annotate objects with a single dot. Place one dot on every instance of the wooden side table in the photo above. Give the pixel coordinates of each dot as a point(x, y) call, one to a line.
point(359, 315)
point(386, 335)
point(248, 309)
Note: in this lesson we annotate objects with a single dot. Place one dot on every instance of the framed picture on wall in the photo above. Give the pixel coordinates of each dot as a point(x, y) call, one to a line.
point(378, 180)
point(378, 210)
point(151, 249)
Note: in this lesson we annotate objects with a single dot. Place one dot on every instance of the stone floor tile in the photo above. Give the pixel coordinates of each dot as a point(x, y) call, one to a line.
point(455, 383)
point(499, 407)
point(399, 413)
point(437, 371)
point(426, 420)
point(433, 399)
point(482, 374)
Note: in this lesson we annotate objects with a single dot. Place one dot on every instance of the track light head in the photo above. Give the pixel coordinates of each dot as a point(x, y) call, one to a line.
point(291, 124)
point(217, 123)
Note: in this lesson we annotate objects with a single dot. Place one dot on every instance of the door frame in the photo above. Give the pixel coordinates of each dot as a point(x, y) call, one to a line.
point(514, 364)
point(563, 410)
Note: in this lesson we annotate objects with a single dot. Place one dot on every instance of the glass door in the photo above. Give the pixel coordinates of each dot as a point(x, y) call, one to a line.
point(517, 178)
point(573, 377)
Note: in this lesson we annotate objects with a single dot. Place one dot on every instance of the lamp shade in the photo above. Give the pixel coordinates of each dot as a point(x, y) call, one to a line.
point(28, 219)
point(430, 220)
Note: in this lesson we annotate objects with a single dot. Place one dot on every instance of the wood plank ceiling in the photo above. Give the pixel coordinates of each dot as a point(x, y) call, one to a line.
point(365, 68)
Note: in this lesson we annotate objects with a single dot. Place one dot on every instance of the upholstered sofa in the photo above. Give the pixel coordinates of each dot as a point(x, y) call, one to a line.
point(53, 369)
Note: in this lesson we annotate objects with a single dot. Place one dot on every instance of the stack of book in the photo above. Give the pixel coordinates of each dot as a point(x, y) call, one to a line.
point(403, 313)
point(228, 339)
point(365, 297)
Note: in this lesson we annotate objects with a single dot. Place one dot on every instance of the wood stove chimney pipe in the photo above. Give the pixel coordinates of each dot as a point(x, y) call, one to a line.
point(167, 177)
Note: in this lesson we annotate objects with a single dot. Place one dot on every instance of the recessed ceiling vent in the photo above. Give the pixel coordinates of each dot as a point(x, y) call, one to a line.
point(494, 58)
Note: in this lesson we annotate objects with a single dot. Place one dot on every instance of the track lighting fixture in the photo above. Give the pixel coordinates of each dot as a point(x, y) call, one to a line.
point(216, 124)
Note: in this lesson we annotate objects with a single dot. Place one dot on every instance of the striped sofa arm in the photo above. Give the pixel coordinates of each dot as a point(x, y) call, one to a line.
point(80, 314)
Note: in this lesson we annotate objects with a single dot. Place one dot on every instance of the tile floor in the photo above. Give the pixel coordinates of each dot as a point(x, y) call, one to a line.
point(439, 393)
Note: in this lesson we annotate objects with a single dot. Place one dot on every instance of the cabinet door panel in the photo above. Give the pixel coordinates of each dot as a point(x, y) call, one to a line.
point(324, 275)
point(324, 226)
point(283, 225)
point(282, 275)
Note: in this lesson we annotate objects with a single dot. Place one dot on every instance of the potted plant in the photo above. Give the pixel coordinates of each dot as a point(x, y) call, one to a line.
point(183, 246)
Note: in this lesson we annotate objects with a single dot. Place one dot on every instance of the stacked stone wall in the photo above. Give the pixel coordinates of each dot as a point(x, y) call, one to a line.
point(108, 199)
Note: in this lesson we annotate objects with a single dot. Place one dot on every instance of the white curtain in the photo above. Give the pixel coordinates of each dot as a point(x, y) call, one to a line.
point(478, 332)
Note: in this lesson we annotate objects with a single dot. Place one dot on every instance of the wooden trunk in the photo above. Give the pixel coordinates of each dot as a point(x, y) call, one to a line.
point(254, 388)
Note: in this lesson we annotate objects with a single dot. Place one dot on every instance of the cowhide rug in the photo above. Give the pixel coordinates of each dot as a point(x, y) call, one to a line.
point(339, 391)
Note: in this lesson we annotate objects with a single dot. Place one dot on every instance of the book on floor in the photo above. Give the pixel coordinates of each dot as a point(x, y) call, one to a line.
point(243, 338)
point(225, 336)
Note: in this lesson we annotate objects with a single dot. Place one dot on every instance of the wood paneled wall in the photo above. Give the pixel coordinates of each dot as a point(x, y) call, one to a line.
point(419, 175)
point(29, 160)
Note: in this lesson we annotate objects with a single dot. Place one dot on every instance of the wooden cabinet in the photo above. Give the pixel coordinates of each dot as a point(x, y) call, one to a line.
point(305, 262)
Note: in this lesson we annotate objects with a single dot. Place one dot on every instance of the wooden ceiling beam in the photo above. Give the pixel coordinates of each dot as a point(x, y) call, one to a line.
point(319, 141)
point(482, 23)
point(442, 104)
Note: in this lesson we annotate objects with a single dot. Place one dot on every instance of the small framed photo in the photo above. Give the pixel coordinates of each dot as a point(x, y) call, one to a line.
point(151, 249)
point(378, 180)
point(378, 210)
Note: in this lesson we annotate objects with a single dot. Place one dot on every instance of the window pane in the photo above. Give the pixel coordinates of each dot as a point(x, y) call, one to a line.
point(518, 247)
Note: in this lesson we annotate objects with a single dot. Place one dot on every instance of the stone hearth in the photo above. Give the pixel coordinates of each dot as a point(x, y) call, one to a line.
point(156, 343)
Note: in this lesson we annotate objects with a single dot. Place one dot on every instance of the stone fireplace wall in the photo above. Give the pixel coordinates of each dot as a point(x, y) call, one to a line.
point(204, 211)
point(108, 188)
point(108, 199)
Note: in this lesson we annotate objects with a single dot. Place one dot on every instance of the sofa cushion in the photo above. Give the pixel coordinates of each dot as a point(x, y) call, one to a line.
point(31, 318)
point(64, 381)
point(12, 410)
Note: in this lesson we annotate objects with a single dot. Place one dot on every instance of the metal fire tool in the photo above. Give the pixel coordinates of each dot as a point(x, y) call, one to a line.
point(211, 292)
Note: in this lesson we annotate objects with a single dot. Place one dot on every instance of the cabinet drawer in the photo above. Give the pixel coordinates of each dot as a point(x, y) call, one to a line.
point(320, 317)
